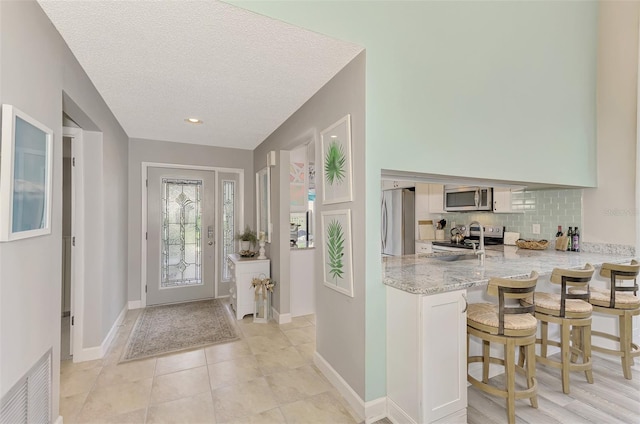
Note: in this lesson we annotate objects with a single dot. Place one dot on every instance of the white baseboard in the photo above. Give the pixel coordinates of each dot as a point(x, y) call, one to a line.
point(88, 354)
point(356, 403)
point(98, 352)
point(280, 318)
point(375, 410)
point(135, 304)
point(104, 347)
point(370, 411)
point(58, 420)
point(396, 414)
point(458, 417)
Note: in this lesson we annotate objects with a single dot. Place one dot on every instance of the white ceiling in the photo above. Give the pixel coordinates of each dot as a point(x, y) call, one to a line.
point(156, 63)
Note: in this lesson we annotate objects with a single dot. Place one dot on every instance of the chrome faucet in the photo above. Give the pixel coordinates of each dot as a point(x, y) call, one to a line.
point(480, 252)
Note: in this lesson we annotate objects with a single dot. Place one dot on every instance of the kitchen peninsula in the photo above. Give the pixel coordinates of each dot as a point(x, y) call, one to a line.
point(426, 322)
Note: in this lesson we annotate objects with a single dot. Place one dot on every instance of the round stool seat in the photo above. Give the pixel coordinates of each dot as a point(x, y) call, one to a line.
point(549, 303)
point(484, 317)
point(602, 297)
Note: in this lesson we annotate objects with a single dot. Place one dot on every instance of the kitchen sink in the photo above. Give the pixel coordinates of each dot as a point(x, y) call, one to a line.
point(451, 258)
point(452, 253)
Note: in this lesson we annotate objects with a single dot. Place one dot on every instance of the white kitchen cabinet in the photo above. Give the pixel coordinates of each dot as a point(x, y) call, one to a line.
point(502, 200)
point(243, 270)
point(422, 200)
point(436, 198)
point(424, 247)
point(426, 357)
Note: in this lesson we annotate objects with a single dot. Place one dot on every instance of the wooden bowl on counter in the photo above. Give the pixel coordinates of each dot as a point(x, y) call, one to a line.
point(532, 244)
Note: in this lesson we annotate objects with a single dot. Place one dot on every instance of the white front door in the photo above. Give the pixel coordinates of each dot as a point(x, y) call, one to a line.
point(180, 235)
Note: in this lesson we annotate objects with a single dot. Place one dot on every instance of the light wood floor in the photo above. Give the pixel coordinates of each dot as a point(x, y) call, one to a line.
point(611, 399)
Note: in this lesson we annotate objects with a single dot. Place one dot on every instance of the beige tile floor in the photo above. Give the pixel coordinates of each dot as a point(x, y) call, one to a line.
point(266, 377)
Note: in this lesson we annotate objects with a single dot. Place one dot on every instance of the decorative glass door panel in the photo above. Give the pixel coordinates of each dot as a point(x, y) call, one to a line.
point(181, 233)
point(228, 224)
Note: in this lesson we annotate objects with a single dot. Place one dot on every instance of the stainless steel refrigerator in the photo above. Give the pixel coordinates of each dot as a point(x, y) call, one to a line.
point(398, 222)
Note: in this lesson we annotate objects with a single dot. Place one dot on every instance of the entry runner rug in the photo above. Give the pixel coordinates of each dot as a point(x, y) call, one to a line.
point(172, 328)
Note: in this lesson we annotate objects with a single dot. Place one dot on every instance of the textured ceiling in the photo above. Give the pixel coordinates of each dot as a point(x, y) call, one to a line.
point(156, 63)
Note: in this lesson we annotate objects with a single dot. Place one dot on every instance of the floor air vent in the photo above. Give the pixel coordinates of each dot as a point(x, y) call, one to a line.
point(29, 401)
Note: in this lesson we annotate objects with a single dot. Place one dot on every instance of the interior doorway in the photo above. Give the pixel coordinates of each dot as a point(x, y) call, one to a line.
point(72, 278)
point(302, 194)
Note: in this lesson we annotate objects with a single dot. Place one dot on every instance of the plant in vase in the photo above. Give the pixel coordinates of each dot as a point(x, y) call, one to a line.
point(248, 238)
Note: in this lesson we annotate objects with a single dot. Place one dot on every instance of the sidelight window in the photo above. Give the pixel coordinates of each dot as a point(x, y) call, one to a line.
point(228, 224)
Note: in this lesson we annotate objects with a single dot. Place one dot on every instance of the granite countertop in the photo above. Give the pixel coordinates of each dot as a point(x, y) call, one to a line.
point(426, 274)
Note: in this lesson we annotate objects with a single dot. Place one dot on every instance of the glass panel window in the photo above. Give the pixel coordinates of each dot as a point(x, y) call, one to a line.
point(181, 233)
point(228, 224)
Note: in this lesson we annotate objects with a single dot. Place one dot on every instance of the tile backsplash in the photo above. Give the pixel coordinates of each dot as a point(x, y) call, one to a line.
point(549, 208)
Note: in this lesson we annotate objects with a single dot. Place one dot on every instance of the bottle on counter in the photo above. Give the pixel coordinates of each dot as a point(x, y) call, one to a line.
point(575, 242)
point(570, 239)
point(559, 233)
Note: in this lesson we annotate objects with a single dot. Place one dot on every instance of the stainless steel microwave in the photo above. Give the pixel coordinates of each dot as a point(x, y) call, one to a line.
point(468, 199)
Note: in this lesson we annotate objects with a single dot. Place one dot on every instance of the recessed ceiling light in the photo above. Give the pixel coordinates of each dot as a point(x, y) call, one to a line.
point(193, 121)
point(334, 136)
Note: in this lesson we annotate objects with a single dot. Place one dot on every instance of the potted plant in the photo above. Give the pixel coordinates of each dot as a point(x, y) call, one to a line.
point(247, 239)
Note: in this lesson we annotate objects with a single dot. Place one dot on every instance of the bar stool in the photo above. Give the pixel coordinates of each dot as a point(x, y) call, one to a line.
point(511, 326)
point(572, 312)
point(623, 305)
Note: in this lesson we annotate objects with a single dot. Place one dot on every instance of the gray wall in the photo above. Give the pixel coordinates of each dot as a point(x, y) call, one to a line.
point(179, 154)
point(36, 66)
point(340, 329)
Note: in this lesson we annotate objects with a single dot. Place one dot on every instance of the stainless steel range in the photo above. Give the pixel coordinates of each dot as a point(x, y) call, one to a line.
point(493, 235)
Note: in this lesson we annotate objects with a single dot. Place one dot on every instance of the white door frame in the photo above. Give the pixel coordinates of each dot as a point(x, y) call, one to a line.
point(143, 227)
point(77, 251)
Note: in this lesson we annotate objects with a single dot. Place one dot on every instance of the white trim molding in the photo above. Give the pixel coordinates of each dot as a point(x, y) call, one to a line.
point(78, 201)
point(98, 352)
point(280, 318)
point(375, 410)
point(370, 411)
point(396, 414)
point(88, 354)
point(106, 343)
point(135, 304)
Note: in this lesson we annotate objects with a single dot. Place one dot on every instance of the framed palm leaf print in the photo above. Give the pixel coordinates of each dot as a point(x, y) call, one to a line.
point(337, 257)
point(336, 162)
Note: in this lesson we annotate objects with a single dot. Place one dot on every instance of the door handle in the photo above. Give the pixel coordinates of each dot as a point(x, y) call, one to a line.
point(210, 243)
